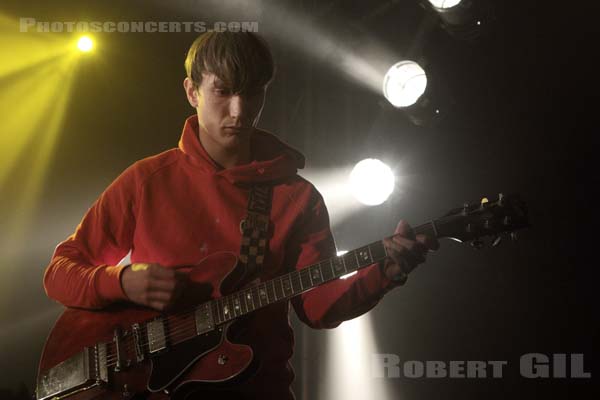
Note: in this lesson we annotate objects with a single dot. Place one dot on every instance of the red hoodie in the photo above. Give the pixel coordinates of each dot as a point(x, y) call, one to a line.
point(177, 207)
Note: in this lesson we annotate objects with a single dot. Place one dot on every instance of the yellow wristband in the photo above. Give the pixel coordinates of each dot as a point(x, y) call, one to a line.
point(139, 267)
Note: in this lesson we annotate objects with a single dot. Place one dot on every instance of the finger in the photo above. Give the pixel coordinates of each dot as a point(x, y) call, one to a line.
point(159, 271)
point(162, 297)
point(412, 245)
point(407, 253)
point(157, 305)
point(403, 229)
point(162, 285)
point(430, 242)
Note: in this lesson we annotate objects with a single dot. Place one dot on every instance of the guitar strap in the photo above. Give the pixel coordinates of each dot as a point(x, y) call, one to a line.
point(255, 228)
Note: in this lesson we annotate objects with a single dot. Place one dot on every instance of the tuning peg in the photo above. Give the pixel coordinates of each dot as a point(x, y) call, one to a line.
point(484, 202)
point(513, 236)
point(496, 241)
point(507, 220)
point(465, 209)
point(477, 244)
point(500, 199)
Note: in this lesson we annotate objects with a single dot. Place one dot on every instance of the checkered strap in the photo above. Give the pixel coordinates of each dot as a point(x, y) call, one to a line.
point(255, 228)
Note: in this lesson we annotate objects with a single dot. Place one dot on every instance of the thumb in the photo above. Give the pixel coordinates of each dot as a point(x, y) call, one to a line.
point(403, 229)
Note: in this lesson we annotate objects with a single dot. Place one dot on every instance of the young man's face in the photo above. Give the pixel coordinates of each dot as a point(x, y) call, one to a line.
point(226, 119)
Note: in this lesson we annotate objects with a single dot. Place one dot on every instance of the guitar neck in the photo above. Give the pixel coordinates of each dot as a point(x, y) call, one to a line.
point(289, 285)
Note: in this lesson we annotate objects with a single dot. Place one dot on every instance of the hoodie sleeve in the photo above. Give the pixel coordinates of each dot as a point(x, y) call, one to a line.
point(83, 271)
point(330, 304)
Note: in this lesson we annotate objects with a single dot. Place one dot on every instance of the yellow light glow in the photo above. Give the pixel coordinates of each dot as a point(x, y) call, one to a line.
point(85, 43)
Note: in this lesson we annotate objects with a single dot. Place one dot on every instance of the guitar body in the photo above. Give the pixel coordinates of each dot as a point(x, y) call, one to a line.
point(210, 358)
point(182, 352)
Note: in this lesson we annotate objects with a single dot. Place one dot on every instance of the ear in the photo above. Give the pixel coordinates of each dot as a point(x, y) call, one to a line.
point(191, 92)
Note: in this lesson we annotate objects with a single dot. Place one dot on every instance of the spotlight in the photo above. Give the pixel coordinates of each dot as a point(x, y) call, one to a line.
point(85, 44)
point(371, 182)
point(444, 4)
point(404, 83)
point(463, 19)
point(341, 253)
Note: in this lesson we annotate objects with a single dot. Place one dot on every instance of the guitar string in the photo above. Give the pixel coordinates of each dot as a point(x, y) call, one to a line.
point(182, 327)
point(175, 324)
point(178, 326)
point(187, 326)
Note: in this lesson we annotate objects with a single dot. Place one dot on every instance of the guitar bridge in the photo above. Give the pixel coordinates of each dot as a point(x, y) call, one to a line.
point(85, 371)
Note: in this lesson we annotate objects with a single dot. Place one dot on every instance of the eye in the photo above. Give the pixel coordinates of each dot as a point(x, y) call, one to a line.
point(222, 91)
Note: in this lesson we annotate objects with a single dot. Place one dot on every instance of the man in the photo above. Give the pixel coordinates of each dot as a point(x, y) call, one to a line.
point(180, 206)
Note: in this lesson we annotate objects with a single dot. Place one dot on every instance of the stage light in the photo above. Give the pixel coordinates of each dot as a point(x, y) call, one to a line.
point(341, 253)
point(444, 4)
point(85, 44)
point(464, 19)
point(404, 83)
point(371, 182)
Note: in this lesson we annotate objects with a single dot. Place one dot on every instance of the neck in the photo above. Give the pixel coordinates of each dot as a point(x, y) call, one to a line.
point(226, 157)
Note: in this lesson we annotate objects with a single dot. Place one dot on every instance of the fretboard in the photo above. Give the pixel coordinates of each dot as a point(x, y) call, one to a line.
point(286, 286)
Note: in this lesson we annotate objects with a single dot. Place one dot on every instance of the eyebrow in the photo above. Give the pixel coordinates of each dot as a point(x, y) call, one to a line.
point(219, 83)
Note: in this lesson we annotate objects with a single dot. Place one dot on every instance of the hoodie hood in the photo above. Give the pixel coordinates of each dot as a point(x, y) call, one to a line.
point(274, 160)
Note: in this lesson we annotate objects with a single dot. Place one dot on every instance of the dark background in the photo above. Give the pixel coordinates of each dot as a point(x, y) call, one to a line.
point(520, 109)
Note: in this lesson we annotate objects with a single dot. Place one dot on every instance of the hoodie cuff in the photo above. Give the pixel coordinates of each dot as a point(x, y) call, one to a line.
point(387, 283)
point(109, 283)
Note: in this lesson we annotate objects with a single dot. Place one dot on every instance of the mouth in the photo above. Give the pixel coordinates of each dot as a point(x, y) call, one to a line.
point(237, 128)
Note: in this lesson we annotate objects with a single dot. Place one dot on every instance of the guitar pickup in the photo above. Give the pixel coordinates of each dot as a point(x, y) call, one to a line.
point(155, 331)
point(204, 319)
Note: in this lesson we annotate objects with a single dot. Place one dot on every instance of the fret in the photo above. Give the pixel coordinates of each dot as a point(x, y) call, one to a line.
point(270, 293)
point(287, 286)
point(263, 295)
point(278, 288)
point(338, 266)
point(242, 297)
point(248, 296)
point(230, 310)
point(315, 274)
point(307, 269)
point(350, 261)
point(304, 279)
point(220, 310)
point(215, 311)
point(296, 282)
point(326, 270)
point(275, 287)
point(363, 256)
point(226, 308)
point(273, 290)
point(429, 228)
point(377, 251)
point(237, 306)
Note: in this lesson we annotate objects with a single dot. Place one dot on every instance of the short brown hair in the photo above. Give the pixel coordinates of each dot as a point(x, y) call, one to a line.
point(242, 60)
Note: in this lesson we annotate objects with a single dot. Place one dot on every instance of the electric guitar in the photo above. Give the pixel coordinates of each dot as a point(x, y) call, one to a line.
point(127, 349)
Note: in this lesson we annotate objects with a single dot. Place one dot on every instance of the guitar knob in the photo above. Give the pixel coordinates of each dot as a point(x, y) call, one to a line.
point(222, 360)
point(477, 244)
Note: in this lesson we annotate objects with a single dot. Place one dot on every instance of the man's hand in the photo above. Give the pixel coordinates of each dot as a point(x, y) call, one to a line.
point(406, 251)
point(152, 285)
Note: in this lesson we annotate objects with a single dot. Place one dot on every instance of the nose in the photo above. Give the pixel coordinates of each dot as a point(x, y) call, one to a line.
point(238, 107)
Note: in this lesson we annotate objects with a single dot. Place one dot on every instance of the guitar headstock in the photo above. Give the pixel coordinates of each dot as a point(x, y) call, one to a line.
point(472, 222)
